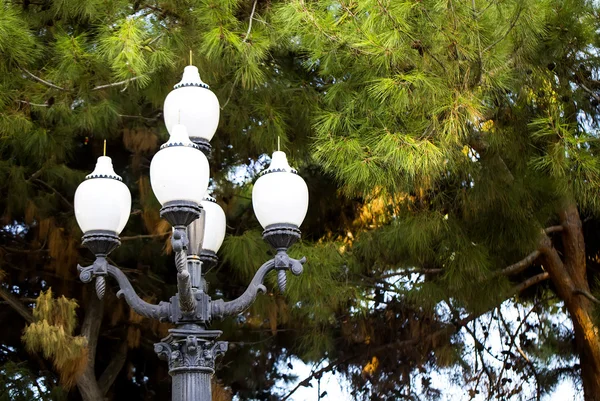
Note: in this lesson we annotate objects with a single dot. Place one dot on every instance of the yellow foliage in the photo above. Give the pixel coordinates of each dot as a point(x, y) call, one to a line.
point(52, 334)
point(370, 368)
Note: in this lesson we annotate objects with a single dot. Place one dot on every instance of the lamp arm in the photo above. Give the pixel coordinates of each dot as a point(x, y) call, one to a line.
point(281, 262)
point(161, 312)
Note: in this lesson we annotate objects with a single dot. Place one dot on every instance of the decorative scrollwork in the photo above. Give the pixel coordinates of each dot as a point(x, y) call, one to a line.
point(281, 262)
point(86, 274)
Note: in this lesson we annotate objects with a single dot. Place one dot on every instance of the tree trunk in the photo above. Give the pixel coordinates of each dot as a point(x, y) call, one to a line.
point(570, 279)
point(87, 382)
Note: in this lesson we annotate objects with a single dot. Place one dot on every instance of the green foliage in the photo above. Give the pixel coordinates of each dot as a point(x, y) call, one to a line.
point(437, 138)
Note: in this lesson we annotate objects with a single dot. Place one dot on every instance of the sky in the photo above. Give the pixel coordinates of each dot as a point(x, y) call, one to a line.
point(338, 388)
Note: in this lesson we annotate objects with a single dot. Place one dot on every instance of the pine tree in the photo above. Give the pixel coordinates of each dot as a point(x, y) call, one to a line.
point(449, 147)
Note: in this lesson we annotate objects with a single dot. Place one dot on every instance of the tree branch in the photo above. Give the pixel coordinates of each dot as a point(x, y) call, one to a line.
point(33, 104)
point(54, 191)
point(150, 119)
point(16, 304)
point(124, 82)
point(112, 370)
point(586, 294)
point(250, 22)
point(531, 281)
point(90, 329)
point(40, 80)
point(521, 265)
point(553, 229)
point(510, 28)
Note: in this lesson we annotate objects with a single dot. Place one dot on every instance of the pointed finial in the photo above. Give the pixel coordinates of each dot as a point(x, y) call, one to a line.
point(191, 57)
point(278, 143)
point(104, 148)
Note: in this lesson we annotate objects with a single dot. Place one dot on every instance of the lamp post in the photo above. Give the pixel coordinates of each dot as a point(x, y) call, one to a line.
point(179, 175)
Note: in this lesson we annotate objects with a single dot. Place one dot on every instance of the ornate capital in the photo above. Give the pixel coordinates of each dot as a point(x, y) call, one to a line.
point(189, 350)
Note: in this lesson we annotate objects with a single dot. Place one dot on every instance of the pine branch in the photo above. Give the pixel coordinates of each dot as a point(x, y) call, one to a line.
point(510, 28)
point(40, 80)
point(16, 304)
point(250, 22)
point(124, 82)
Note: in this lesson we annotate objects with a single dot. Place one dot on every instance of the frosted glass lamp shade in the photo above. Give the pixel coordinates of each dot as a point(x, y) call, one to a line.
point(280, 195)
point(193, 105)
point(179, 170)
point(214, 224)
point(102, 201)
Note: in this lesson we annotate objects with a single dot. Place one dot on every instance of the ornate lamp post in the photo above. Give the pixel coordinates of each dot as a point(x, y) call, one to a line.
point(179, 175)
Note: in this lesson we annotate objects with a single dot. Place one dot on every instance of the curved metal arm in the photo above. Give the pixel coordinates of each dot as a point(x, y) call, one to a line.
point(159, 312)
point(282, 262)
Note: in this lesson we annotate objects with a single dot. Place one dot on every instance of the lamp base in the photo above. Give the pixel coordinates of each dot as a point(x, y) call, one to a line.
point(281, 236)
point(100, 242)
point(203, 144)
point(180, 213)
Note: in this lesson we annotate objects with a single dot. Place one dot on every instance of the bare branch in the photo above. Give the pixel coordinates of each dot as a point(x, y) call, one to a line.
point(124, 82)
point(40, 80)
point(586, 294)
point(149, 119)
point(588, 90)
point(553, 229)
point(532, 281)
point(521, 265)
point(250, 22)
point(33, 104)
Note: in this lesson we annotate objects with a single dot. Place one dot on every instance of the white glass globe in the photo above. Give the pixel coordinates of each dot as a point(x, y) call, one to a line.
point(280, 195)
point(102, 201)
point(179, 170)
point(193, 105)
point(214, 225)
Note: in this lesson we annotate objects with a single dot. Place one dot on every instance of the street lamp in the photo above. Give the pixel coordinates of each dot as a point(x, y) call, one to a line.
point(179, 175)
